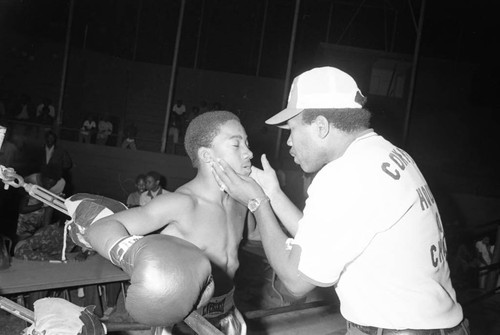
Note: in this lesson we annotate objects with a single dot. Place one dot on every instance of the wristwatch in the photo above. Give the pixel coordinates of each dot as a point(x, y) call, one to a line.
point(254, 204)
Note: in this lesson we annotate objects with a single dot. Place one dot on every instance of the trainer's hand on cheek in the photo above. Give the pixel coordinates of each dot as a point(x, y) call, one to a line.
point(239, 187)
point(266, 178)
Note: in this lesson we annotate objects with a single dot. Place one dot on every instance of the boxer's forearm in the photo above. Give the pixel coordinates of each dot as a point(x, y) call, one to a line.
point(285, 210)
point(103, 234)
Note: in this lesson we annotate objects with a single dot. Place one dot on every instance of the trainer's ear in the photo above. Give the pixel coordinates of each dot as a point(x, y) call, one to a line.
point(322, 126)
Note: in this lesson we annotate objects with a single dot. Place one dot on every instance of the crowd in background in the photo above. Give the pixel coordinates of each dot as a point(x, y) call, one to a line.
point(100, 128)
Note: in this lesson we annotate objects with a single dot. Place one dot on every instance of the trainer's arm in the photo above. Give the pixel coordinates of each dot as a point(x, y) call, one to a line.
point(283, 207)
point(283, 261)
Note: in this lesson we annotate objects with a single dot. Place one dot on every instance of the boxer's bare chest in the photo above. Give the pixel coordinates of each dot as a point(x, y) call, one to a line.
point(215, 229)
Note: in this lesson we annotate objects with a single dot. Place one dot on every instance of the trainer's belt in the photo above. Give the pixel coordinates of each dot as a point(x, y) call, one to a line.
point(368, 330)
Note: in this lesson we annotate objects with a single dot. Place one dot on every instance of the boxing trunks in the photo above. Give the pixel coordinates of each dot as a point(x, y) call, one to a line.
point(220, 312)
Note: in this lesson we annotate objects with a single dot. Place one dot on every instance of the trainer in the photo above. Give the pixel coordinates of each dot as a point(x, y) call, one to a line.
point(370, 228)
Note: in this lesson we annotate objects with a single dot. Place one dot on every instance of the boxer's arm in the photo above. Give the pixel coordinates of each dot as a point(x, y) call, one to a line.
point(156, 214)
point(169, 277)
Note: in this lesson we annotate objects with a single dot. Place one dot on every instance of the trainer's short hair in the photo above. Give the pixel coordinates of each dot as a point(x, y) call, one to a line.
point(345, 119)
point(202, 130)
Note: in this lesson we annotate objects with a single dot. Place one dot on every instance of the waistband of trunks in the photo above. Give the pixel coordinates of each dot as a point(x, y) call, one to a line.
point(218, 306)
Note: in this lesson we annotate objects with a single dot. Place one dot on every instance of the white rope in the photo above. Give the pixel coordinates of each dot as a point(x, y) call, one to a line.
point(65, 235)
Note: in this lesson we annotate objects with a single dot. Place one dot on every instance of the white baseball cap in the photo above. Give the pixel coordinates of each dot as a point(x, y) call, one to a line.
point(321, 88)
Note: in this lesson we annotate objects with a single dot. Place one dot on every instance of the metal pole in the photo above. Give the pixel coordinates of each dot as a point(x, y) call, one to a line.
point(198, 37)
point(137, 24)
point(262, 34)
point(172, 77)
point(65, 63)
point(413, 74)
point(288, 71)
point(329, 24)
point(351, 21)
point(394, 30)
point(85, 36)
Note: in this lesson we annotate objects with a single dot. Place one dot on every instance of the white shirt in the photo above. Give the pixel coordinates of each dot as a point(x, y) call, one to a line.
point(483, 250)
point(179, 110)
point(52, 110)
point(87, 126)
point(371, 228)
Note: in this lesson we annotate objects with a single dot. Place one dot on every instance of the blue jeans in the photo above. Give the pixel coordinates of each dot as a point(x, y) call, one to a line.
point(461, 329)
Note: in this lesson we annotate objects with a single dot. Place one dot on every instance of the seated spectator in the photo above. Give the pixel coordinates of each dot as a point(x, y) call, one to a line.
point(484, 254)
point(130, 133)
point(34, 214)
point(88, 128)
point(45, 116)
point(464, 266)
point(24, 112)
point(133, 199)
point(46, 244)
point(104, 130)
point(57, 159)
point(174, 128)
point(153, 188)
point(45, 110)
point(179, 113)
point(8, 151)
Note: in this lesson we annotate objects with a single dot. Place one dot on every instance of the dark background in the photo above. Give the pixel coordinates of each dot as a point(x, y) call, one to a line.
point(226, 35)
point(230, 31)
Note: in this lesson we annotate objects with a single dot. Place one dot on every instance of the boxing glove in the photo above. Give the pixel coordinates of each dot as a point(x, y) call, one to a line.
point(169, 277)
point(85, 209)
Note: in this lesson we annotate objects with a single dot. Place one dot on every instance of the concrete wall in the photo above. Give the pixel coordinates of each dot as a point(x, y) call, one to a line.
point(111, 171)
point(138, 92)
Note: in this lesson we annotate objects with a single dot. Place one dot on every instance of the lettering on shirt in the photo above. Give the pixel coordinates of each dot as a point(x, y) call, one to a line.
point(398, 161)
point(438, 251)
point(425, 196)
point(214, 307)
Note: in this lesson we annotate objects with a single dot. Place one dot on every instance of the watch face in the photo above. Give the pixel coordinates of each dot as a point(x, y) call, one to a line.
point(253, 204)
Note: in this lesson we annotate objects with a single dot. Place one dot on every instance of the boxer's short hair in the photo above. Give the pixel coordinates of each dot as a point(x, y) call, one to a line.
point(202, 130)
